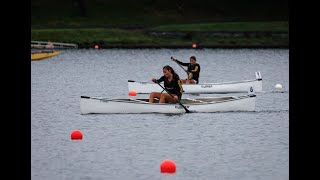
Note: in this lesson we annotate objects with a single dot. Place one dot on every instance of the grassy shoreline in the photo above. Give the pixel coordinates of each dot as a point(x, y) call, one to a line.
point(208, 35)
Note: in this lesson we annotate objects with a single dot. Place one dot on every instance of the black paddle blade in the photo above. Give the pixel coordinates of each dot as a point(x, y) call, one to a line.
point(87, 97)
point(187, 110)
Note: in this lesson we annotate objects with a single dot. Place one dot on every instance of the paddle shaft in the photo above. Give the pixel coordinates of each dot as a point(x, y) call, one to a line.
point(187, 110)
point(181, 67)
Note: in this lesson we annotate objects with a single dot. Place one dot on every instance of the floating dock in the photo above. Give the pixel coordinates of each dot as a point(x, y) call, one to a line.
point(52, 45)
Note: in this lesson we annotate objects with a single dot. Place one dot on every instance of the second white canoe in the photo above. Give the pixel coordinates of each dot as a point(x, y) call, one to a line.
point(202, 88)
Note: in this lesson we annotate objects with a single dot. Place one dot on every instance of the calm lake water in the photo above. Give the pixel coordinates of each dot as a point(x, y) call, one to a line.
point(220, 146)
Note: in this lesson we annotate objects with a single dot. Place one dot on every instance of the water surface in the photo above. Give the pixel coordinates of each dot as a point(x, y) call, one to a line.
point(233, 145)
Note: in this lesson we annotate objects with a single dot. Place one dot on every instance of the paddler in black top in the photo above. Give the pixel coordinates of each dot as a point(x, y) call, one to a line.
point(193, 70)
point(172, 83)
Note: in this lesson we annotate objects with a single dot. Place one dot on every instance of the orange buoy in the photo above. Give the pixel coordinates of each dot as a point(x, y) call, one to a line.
point(132, 93)
point(76, 135)
point(168, 166)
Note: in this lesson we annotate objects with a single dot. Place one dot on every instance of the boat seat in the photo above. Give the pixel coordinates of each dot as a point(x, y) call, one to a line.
point(195, 100)
point(156, 100)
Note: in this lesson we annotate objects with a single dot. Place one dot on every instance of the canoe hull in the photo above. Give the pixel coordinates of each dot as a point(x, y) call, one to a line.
point(202, 88)
point(235, 87)
point(43, 55)
point(101, 105)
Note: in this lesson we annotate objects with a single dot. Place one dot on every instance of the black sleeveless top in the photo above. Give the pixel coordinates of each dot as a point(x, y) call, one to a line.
point(194, 69)
point(174, 86)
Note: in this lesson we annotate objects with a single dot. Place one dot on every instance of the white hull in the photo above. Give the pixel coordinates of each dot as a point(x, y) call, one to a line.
point(202, 88)
point(204, 105)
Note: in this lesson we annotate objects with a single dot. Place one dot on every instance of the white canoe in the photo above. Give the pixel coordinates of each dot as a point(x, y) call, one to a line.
point(205, 105)
point(202, 88)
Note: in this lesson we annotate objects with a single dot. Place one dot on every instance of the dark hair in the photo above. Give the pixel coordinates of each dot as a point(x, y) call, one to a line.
point(169, 68)
point(193, 57)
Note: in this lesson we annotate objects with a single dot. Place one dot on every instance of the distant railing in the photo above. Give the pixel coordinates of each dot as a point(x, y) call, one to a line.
point(52, 45)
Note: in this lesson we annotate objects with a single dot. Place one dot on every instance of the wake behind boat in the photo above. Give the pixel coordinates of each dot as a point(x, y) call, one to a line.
point(203, 88)
point(203, 105)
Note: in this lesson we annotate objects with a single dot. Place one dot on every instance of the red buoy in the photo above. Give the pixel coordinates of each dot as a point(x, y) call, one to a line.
point(194, 45)
point(168, 166)
point(96, 47)
point(76, 135)
point(132, 93)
